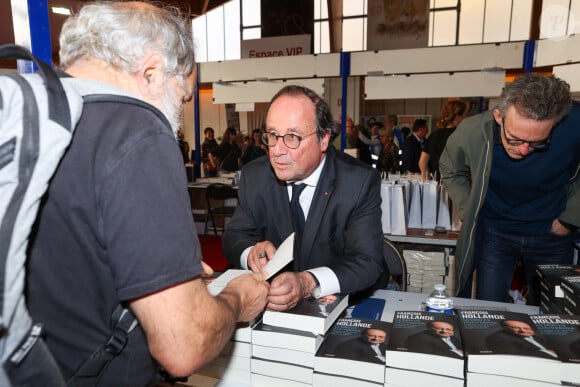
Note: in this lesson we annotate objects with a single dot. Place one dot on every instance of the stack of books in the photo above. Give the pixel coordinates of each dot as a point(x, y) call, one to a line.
point(232, 364)
point(571, 290)
point(562, 335)
point(284, 343)
point(352, 354)
point(551, 293)
point(505, 348)
point(425, 269)
point(424, 349)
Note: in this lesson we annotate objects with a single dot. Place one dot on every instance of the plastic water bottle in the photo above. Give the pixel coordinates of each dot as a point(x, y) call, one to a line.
point(439, 301)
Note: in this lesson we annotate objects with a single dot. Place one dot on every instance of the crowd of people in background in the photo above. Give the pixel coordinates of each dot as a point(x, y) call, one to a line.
point(384, 145)
point(233, 152)
point(399, 150)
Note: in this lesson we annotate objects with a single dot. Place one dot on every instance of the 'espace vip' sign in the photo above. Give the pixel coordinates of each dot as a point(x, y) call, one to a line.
point(276, 46)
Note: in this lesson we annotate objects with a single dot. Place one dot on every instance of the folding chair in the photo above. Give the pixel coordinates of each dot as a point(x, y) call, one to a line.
point(218, 193)
point(395, 262)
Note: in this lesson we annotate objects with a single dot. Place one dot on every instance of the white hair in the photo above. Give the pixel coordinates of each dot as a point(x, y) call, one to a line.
point(121, 34)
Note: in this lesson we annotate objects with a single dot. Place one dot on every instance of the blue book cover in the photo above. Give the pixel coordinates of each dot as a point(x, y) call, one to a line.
point(370, 308)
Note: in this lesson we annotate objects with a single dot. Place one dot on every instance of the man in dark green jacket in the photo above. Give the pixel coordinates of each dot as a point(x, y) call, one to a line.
point(512, 174)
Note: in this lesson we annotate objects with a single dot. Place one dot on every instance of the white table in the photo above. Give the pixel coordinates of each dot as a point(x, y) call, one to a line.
point(413, 301)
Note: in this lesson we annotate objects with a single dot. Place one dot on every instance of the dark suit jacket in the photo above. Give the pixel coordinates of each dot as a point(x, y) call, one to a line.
point(507, 343)
point(358, 349)
point(411, 153)
point(428, 342)
point(343, 230)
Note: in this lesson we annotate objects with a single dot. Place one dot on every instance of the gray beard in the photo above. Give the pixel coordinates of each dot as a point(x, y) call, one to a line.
point(172, 108)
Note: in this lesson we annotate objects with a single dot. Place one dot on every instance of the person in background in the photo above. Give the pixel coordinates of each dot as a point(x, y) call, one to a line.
point(392, 124)
point(255, 149)
point(389, 156)
point(374, 142)
point(452, 113)
point(116, 225)
point(209, 146)
point(302, 187)
point(353, 141)
point(512, 174)
point(228, 152)
point(337, 134)
point(413, 146)
point(183, 146)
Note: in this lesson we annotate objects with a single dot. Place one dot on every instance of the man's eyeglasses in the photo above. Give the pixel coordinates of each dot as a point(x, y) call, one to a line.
point(291, 140)
point(539, 145)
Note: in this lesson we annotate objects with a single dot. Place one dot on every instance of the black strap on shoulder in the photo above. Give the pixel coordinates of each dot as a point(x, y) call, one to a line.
point(91, 370)
point(57, 111)
point(29, 151)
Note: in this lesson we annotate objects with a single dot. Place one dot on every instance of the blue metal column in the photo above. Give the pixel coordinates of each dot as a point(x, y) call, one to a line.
point(196, 124)
point(529, 51)
point(344, 74)
point(32, 30)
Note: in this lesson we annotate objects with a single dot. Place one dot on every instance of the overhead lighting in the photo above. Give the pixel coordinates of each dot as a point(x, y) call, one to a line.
point(61, 10)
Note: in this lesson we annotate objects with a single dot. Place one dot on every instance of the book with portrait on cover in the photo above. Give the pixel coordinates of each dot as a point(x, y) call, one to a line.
point(314, 315)
point(562, 333)
point(507, 344)
point(426, 342)
point(354, 348)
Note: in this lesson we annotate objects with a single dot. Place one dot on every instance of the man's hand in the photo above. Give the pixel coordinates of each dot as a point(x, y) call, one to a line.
point(259, 256)
point(559, 229)
point(288, 289)
point(252, 290)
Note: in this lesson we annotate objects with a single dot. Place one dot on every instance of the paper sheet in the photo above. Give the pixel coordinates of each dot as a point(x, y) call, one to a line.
point(284, 255)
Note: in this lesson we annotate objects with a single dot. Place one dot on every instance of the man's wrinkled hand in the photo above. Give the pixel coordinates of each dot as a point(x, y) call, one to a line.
point(259, 256)
point(288, 289)
point(253, 293)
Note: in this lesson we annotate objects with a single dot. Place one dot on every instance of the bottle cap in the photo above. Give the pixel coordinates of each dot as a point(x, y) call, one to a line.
point(439, 287)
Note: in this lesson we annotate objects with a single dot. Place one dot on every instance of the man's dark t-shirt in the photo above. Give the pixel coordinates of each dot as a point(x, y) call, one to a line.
point(116, 226)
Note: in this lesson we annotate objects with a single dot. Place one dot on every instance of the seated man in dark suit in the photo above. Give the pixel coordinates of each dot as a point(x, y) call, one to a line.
point(518, 338)
point(438, 339)
point(370, 346)
point(337, 220)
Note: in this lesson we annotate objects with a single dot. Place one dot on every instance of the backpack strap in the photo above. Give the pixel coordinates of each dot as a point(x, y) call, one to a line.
point(57, 112)
point(91, 370)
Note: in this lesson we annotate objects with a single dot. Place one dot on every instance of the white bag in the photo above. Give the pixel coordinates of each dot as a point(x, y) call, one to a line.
point(398, 219)
point(386, 189)
point(443, 213)
point(415, 208)
point(429, 204)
